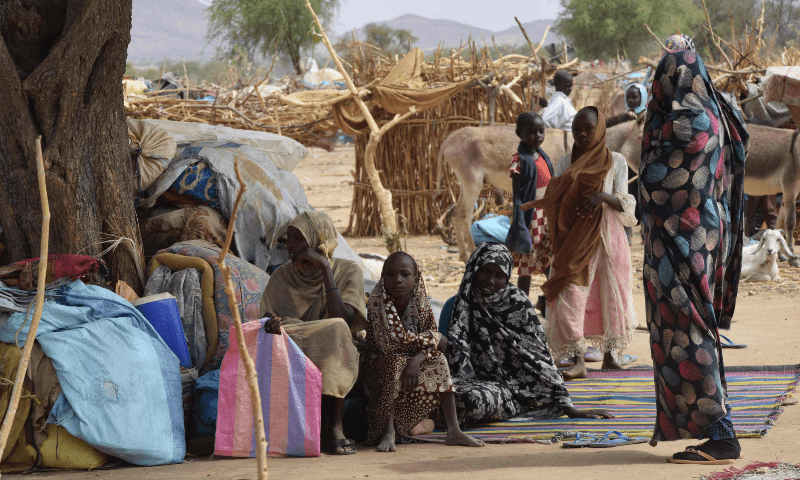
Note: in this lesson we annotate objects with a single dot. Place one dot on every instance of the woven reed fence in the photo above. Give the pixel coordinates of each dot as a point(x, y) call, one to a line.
point(407, 155)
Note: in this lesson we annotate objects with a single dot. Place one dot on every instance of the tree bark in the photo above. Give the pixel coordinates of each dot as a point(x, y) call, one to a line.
point(61, 65)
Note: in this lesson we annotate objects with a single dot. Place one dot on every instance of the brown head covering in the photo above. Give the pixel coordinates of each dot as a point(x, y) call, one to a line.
point(575, 239)
point(294, 296)
point(318, 230)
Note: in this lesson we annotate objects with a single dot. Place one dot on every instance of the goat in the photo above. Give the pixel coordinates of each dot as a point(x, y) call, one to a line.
point(760, 261)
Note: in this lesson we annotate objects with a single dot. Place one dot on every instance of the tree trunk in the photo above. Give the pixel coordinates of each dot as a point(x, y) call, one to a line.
point(61, 65)
point(298, 69)
point(294, 56)
point(384, 196)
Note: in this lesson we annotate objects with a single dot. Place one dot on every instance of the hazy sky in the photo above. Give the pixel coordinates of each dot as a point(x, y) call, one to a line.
point(492, 15)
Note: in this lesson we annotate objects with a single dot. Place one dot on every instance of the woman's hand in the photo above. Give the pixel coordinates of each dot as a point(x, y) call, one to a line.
point(410, 377)
point(443, 344)
point(571, 412)
point(591, 204)
point(313, 257)
point(273, 325)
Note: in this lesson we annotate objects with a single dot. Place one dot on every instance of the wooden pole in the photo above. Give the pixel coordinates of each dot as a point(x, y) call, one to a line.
point(525, 34)
point(16, 392)
point(249, 366)
point(384, 196)
point(660, 43)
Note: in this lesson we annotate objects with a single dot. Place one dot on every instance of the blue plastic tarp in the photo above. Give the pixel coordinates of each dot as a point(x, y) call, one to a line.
point(491, 228)
point(121, 384)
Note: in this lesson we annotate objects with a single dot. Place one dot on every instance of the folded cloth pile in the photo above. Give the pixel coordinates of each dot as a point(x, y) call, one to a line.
point(13, 299)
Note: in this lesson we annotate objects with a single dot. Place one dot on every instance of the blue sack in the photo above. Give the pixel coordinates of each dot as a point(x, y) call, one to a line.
point(447, 315)
point(491, 228)
point(204, 409)
point(121, 384)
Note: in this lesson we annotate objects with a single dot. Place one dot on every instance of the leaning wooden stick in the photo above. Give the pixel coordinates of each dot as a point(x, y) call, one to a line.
point(249, 365)
point(16, 392)
point(660, 43)
point(525, 34)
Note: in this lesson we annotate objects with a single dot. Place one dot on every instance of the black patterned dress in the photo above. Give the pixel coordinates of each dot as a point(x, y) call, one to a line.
point(499, 359)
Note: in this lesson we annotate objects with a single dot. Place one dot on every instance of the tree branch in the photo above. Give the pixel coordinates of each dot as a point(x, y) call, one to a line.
point(525, 34)
point(663, 47)
point(249, 366)
point(16, 391)
point(541, 44)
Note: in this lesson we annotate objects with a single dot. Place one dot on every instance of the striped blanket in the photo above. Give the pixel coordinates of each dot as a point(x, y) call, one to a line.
point(755, 394)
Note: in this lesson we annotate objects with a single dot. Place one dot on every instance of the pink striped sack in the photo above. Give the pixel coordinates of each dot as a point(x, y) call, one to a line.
point(291, 397)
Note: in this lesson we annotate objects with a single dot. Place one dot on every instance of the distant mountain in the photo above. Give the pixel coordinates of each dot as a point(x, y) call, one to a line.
point(432, 31)
point(176, 29)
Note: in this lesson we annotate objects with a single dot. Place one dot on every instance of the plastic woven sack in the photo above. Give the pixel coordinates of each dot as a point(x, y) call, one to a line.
point(291, 397)
point(155, 148)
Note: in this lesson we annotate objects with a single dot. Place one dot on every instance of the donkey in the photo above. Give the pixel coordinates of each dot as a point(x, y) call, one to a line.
point(483, 154)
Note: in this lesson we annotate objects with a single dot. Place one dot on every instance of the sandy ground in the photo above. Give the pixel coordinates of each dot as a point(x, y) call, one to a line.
point(767, 320)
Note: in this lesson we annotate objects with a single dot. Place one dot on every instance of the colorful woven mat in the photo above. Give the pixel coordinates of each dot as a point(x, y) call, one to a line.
point(755, 394)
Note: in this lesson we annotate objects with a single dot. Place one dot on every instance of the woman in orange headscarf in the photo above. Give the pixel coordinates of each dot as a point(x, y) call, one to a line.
point(587, 206)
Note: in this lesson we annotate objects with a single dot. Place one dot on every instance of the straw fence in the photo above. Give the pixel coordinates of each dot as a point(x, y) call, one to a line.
point(407, 155)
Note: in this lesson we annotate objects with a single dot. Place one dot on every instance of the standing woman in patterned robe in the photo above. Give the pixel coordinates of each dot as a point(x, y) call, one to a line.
point(691, 194)
point(404, 371)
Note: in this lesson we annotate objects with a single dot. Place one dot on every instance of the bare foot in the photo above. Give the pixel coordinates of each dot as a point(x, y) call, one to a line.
point(462, 439)
point(387, 439)
point(610, 363)
point(424, 427)
point(577, 371)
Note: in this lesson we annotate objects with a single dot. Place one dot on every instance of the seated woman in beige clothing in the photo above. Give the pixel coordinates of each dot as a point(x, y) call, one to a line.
point(320, 302)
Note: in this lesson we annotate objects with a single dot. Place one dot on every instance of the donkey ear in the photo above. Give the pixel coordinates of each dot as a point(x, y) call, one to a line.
point(640, 119)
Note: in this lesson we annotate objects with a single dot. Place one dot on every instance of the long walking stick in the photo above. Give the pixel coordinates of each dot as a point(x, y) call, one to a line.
point(16, 392)
point(249, 366)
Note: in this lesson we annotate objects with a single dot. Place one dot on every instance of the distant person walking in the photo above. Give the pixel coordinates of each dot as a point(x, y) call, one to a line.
point(560, 112)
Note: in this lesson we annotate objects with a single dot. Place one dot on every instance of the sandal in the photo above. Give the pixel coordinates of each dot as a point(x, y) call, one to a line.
point(626, 360)
point(344, 443)
point(582, 440)
point(726, 342)
point(615, 439)
point(709, 460)
point(592, 355)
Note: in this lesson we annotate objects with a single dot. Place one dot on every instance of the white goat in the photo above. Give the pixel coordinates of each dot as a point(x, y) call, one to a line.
point(760, 261)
